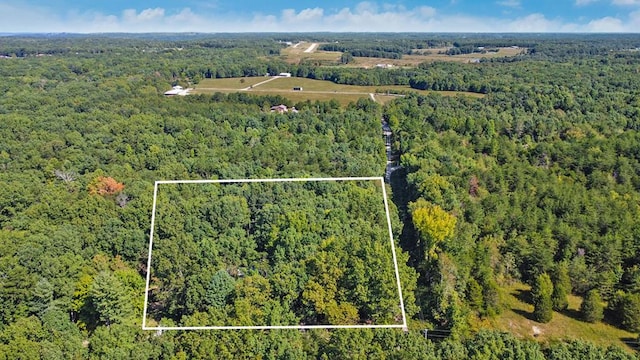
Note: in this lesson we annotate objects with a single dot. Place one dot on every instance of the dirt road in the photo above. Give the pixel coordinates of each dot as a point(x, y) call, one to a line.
point(311, 48)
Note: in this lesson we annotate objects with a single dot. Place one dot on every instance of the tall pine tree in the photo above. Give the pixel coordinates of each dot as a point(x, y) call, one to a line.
point(591, 309)
point(541, 294)
point(561, 287)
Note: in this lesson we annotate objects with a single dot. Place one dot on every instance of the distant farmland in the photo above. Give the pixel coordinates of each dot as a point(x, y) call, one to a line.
point(295, 55)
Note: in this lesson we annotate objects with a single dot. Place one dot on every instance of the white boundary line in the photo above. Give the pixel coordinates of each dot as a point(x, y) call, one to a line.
point(226, 181)
point(274, 327)
point(393, 253)
point(146, 289)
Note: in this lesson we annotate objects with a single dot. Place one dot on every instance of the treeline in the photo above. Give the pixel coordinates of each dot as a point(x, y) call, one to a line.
point(82, 45)
point(177, 61)
point(387, 52)
point(552, 46)
point(383, 48)
point(464, 50)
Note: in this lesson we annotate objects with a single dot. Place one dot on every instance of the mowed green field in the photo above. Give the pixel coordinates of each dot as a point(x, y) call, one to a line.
point(516, 319)
point(231, 83)
point(311, 89)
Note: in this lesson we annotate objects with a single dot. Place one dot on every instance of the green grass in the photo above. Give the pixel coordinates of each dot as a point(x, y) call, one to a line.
point(230, 83)
point(312, 89)
point(516, 319)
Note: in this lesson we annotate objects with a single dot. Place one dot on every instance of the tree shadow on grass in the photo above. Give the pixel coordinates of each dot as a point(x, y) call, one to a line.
point(523, 295)
point(525, 314)
point(612, 318)
point(572, 313)
point(632, 343)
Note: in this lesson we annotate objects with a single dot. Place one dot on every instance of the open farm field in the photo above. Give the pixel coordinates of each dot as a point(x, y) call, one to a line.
point(312, 89)
point(232, 83)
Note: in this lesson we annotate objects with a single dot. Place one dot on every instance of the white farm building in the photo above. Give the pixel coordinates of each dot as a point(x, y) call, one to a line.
point(177, 90)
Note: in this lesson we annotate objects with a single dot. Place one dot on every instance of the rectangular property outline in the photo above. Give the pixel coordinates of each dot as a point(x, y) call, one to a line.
point(274, 327)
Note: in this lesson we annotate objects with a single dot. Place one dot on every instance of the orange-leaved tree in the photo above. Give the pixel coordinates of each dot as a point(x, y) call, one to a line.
point(103, 185)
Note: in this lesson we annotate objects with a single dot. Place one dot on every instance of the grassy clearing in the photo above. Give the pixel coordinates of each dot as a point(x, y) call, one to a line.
point(295, 96)
point(383, 99)
point(230, 83)
point(322, 85)
point(312, 89)
point(516, 319)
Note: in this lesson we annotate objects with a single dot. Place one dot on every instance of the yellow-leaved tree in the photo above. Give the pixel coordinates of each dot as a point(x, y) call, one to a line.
point(434, 225)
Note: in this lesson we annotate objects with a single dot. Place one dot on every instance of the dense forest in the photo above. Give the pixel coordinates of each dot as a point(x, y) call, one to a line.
point(283, 253)
point(536, 183)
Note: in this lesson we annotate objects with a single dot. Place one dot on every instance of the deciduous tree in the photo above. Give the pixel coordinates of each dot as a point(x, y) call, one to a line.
point(433, 224)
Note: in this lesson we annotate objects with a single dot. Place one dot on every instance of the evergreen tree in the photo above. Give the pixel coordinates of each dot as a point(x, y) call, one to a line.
point(220, 287)
point(42, 297)
point(625, 309)
point(541, 295)
point(591, 309)
point(561, 287)
point(110, 298)
point(474, 294)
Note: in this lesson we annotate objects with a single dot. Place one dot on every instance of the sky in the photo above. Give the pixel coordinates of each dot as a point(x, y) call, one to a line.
point(52, 16)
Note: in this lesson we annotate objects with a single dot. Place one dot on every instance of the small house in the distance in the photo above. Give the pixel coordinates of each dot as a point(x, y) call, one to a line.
point(281, 109)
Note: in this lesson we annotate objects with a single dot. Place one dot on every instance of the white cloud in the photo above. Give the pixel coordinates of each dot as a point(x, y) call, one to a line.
point(509, 3)
point(306, 15)
point(634, 20)
point(585, 2)
point(366, 7)
point(426, 11)
point(366, 16)
point(606, 24)
point(131, 16)
point(626, 2)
